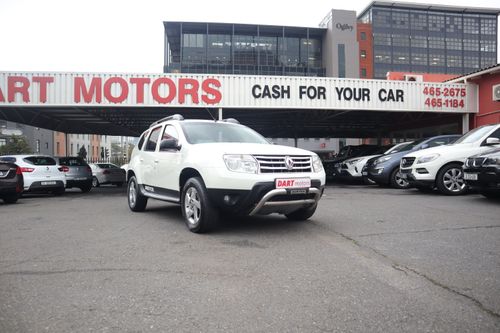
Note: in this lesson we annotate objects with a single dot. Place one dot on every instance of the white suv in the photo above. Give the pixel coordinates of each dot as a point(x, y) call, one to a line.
point(441, 166)
point(221, 166)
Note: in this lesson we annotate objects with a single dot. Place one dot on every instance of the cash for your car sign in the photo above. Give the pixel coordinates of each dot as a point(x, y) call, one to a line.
point(232, 91)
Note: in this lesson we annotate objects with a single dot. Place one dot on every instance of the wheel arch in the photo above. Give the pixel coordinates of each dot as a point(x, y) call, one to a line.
point(130, 173)
point(187, 173)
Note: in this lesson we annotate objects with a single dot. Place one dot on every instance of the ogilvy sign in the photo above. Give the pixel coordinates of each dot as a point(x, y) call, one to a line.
point(231, 91)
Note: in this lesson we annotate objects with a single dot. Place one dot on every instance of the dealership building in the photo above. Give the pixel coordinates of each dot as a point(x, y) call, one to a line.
point(288, 82)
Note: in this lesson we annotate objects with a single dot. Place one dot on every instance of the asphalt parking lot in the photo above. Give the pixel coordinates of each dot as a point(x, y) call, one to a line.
point(371, 260)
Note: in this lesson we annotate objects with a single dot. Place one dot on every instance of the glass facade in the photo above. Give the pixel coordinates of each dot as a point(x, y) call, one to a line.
point(243, 49)
point(430, 41)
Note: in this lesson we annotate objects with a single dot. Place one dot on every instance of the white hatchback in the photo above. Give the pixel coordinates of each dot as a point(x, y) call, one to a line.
point(41, 173)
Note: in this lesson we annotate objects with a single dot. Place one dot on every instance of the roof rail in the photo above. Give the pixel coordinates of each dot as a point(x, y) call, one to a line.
point(230, 120)
point(173, 117)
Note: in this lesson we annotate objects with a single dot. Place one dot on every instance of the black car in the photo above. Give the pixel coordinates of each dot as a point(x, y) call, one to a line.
point(333, 166)
point(385, 169)
point(11, 182)
point(482, 172)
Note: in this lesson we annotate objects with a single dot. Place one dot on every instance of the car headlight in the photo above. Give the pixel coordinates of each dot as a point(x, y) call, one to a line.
point(354, 161)
point(241, 163)
point(382, 159)
point(427, 158)
point(316, 163)
point(492, 161)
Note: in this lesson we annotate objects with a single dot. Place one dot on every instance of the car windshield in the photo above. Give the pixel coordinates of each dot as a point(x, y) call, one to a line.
point(8, 159)
point(72, 161)
point(474, 135)
point(397, 148)
point(40, 160)
point(210, 132)
point(414, 144)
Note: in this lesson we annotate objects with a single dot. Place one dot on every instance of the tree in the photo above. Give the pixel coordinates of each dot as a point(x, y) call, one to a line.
point(82, 153)
point(16, 145)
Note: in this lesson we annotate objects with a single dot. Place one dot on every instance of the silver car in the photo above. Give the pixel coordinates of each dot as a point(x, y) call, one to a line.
point(78, 172)
point(107, 173)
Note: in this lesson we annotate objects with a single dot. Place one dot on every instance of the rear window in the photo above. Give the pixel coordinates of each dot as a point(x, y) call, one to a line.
point(8, 159)
point(107, 166)
point(40, 160)
point(72, 161)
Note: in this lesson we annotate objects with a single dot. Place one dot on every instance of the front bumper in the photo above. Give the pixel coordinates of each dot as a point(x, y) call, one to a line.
point(414, 181)
point(488, 177)
point(264, 199)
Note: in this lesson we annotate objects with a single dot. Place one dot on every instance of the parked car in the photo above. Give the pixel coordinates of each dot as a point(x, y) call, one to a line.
point(333, 166)
point(482, 172)
point(107, 173)
point(385, 170)
point(441, 167)
point(40, 173)
point(11, 182)
point(78, 172)
point(364, 171)
point(351, 169)
point(209, 167)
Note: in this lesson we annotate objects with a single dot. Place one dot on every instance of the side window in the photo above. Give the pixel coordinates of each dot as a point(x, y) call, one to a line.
point(170, 133)
point(141, 140)
point(153, 139)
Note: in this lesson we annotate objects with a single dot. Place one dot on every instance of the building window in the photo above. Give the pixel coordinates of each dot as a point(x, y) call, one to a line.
point(341, 59)
point(363, 35)
point(37, 146)
point(58, 148)
point(363, 72)
point(46, 145)
point(363, 53)
point(72, 149)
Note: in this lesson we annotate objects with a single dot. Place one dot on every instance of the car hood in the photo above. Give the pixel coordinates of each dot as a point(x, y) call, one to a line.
point(493, 153)
point(248, 148)
point(465, 149)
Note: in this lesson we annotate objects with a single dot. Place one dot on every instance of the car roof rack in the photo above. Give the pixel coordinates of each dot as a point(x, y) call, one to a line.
point(173, 117)
point(230, 120)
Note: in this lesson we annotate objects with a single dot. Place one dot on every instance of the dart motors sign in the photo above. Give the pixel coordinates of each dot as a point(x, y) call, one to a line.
point(232, 91)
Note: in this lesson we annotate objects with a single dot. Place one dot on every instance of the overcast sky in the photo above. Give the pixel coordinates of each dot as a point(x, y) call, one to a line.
point(127, 36)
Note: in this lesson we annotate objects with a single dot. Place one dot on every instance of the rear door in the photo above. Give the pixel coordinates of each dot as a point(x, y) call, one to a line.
point(148, 157)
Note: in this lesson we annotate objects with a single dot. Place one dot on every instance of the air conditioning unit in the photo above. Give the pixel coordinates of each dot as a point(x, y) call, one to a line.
point(496, 92)
point(414, 78)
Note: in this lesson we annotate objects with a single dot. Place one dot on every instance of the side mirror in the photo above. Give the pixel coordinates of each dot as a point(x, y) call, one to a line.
point(492, 141)
point(169, 144)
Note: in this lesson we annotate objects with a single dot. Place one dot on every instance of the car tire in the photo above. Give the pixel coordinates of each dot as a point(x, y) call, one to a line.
point(95, 182)
point(198, 212)
point(136, 201)
point(11, 199)
point(302, 214)
point(396, 181)
point(450, 180)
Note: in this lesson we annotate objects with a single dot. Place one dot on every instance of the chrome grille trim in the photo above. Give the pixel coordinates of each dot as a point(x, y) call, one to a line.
point(277, 164)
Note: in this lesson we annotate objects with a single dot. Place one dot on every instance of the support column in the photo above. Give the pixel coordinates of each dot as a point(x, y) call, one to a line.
point(465, 123)
point(220, 114)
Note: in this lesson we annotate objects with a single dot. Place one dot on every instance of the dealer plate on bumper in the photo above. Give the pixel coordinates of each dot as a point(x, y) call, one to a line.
point(293, 183)
point(470, 176)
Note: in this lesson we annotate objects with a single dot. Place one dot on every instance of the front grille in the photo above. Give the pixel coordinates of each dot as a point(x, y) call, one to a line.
point(474, 162)
point(407, 162)
point(278, 164)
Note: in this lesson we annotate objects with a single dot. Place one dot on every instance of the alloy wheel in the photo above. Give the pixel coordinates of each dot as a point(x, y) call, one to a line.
point(192, 206)
point(132, 194)
point(453, 180)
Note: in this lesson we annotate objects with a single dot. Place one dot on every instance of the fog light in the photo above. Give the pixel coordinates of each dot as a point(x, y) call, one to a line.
point(379, 171)
point(422, 170)
point(230, 200)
